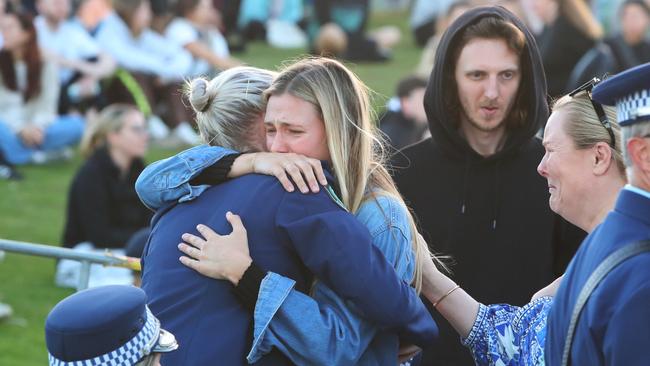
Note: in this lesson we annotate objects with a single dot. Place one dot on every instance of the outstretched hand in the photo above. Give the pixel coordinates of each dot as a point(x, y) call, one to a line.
point(218, 256)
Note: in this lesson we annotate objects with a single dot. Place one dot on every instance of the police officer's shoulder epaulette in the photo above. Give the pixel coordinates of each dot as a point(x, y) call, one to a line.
point(334, 197)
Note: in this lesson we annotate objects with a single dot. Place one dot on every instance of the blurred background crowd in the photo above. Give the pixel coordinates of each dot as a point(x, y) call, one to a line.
point(61, 61)
point(64, 60)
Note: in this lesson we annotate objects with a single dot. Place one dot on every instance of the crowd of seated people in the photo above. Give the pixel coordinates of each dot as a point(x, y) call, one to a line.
point(63, 61)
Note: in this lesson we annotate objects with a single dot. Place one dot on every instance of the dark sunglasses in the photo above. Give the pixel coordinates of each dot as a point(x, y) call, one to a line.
point(602, 117)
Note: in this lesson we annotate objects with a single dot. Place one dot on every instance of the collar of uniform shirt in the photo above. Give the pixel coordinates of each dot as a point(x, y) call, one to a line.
point(637, 190)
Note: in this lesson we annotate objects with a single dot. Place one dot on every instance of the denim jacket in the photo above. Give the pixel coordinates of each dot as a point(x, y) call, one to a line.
point(322, 329)
point(167, 180)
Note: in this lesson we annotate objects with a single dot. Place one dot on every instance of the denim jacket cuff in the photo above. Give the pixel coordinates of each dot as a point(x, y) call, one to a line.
point(196, 160)
point(200, 157)
point(273, 292)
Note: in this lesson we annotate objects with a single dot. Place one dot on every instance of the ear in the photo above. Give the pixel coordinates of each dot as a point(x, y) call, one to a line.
point(603, 158)
point(638, 149)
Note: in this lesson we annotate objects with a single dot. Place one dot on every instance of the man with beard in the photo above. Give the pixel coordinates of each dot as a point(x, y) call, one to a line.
point(473, 185)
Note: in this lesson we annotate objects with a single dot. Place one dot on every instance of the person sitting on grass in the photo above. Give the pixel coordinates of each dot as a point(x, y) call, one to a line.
point(103, 209)
point(30, 129)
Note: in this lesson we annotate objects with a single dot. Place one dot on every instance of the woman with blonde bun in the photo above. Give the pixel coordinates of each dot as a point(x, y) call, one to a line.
point(314, 110)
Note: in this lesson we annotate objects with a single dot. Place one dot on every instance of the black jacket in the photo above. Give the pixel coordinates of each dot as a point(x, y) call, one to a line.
point(561, 46)
point(103, 208)
point(490, 214)
point(627, 56)
point(399, 130)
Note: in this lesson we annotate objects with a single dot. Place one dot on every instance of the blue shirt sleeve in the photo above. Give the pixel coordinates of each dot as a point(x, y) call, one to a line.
point(509, 335)
point(338, 250)
point(326, 330)
point(167, 180)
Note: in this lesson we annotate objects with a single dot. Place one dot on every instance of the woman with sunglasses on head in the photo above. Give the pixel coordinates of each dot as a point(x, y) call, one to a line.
point(585, 171)
point(103, 208)
point(318, 108)
point(584, 166)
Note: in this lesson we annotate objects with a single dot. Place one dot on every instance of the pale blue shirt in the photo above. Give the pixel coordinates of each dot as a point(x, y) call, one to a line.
point(637, 190)
point(69, 40)
point(149, 53)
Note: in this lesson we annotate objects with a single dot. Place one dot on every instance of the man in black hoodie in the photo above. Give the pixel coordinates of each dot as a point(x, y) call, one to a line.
point(473, 185)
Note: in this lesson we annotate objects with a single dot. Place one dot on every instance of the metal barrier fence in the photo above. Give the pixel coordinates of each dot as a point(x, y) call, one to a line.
point(86, 258)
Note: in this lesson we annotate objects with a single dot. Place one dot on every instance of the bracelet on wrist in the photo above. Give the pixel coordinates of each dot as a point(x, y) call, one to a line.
point(435, 304)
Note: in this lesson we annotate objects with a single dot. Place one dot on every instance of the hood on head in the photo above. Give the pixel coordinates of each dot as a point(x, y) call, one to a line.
point(443, 123)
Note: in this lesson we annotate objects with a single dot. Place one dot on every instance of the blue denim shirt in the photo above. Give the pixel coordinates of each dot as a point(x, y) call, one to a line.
point(295, 323)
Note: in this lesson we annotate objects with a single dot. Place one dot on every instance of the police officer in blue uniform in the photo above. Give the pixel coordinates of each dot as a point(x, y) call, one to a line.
point(108, 325)
point(601, 314)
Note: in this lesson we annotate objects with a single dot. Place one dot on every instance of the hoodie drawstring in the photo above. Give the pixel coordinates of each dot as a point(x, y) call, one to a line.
point(463, 208)
point(495, 205)
point(496, 196)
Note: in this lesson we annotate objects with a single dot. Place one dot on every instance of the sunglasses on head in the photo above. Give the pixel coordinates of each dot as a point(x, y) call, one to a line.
point(602, 117)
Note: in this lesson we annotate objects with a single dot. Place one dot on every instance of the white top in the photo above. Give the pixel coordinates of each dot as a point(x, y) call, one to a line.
point(40, 110)
point(424, 10)
point(182, 32)
point(149, 53)
point(69, 41)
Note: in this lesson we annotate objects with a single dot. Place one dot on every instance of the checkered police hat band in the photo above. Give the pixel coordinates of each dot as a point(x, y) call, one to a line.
point(633, 106)
point(127, 355)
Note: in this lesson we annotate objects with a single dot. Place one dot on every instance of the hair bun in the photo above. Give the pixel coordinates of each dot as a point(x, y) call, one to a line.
point(200, 99)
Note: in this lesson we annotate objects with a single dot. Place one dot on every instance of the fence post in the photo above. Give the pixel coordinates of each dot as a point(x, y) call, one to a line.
point(84, 276)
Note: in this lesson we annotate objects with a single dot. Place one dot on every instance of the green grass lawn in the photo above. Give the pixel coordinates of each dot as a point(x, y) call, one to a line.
point(33, 210)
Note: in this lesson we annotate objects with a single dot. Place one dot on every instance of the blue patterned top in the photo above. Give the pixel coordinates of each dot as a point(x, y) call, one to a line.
point(509, 335)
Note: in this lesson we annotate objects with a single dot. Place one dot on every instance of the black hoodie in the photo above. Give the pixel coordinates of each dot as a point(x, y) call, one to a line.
point(490, 214)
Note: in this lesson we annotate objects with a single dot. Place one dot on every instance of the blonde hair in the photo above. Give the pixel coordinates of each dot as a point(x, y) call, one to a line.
point(110, 119)
point(331, 40)
point(228, 106)
point(585, 129)
point(357, 156)
point(581, 16)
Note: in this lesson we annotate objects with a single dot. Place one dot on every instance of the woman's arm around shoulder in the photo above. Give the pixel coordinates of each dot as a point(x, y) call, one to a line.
point(168, 180)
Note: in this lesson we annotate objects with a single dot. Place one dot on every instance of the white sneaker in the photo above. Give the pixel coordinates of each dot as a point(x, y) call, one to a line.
point(280, 34)
point(43, 157)
point(186, 133)
point(157, 128)
point(5, 311)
